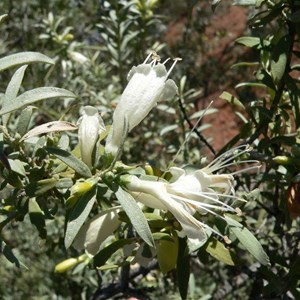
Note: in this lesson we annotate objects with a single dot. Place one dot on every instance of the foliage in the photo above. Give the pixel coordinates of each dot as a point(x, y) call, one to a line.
point(83, 220)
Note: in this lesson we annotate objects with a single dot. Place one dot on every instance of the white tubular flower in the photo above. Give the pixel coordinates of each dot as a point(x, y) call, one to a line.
point(90, 126)
point(93, 233)
point(148, 84)
point(188, 193)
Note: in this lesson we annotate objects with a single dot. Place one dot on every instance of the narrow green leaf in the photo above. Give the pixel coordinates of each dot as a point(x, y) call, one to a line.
point(37, 217)
point(244, 2)
point(136, 216)
point(279, 58)
point(17, 166)
point(35, 95)
point(45, 185)
point(23, 58)
point(101, 257)
point(231, 99)
point(69, 159)
point(9, 255)
point(218, 251)
point(250, 84)
point(245, 64)
point(3, 17)
point(24, 120)
point(168, 128)
point(12, 90)
point(183, 268)
point(54, 126)
point(248, 240)
point(249, 41)
point(78, 215)
point(167, 254)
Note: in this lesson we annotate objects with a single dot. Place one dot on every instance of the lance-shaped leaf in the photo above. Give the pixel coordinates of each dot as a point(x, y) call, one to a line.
point(218, 250)
point(24, 120)
point(136, 216)
point(9, 255)
point(279, 58)
point(102, 256)
point(3, 17)
point(73, 162)
point(37, 217)
point(248, 240)
point(49, 127)
point(12, 90)
point(35, 95)
point(78, 215)
point(183, 268)
point(23, 58)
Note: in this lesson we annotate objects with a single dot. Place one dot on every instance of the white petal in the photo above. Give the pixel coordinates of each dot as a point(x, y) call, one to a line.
point(149, 200)
point(95, 231)
point(169, 91)
point(91, 125)
point(176, 173)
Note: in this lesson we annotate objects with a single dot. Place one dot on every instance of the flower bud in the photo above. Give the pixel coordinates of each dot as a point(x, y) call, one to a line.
point(69, 263)
point(91, 125)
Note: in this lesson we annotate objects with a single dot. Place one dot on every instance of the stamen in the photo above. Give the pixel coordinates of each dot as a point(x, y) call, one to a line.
point(174, 63)
point(246, 170)
point(166, 60)
point(216, 166)
point(187, 138)
point(225, 196)
point(147, 58)
point(214, 231)
point(238, 163)
point(226, 154)
point(197, 203)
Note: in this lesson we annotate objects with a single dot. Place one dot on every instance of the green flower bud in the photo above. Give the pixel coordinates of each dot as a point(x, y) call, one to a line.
point(69, 263)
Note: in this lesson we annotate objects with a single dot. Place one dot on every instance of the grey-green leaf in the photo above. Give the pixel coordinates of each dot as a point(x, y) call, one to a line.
point(233, 100)
point(34, 96)
point(23, 58)
point(279, 58)
point(24, 120)
point(37, 217)
point(54, 126)
point(249, 41)
point(73, 162)
point(136, 216)
point(248, 240)
point(78, 215)
point(12, 90)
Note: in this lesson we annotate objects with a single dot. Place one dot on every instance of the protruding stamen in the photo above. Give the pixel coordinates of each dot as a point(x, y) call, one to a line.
point(147, 58)
point(174, 63)
point(218, 164)
point(166, 60)
point(227, 154)
point(245, 170)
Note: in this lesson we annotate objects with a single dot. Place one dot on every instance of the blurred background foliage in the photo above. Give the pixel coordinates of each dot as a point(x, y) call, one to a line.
point(94, 44)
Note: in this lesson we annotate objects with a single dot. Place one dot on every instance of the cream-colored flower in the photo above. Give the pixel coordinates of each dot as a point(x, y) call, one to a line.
point(90, 126)
point(148, 84)
point(199, 191)
point(95, 231)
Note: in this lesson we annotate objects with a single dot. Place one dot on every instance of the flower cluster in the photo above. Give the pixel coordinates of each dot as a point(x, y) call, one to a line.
point(202, 191)
point(188, 195)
